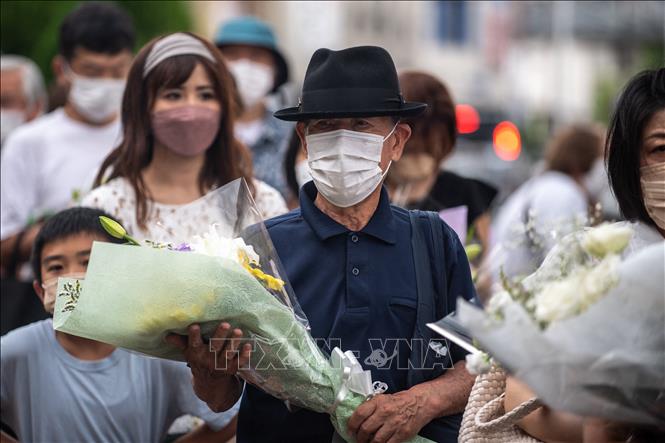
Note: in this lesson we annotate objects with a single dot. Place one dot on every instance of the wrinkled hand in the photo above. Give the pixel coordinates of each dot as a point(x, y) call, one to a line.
point(389, 418)
point(215, 364)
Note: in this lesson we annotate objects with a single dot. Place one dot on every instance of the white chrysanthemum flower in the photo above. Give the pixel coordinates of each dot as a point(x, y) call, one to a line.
point(559, 299)
point(215, 245)
point(599, 280)
point(574, 294)
point(498, 302)
point(478, 363)
point(606, 239)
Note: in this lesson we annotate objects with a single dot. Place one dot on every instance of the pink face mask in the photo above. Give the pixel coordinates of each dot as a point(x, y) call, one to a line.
point(186, 130)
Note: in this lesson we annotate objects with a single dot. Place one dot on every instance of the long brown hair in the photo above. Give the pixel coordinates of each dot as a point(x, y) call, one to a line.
point(227, 159)
point(435, 131)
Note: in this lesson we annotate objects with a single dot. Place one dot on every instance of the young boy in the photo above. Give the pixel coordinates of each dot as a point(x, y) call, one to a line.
point(59, 387)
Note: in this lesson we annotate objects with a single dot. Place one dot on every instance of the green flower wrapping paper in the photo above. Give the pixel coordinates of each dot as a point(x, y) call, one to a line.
point(133, 296)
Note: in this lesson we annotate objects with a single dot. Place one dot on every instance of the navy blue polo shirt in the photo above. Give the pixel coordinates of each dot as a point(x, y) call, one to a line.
point(358, 290)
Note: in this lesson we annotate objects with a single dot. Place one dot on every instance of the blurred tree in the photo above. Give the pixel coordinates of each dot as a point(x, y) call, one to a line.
point(651, 55)
point(30, 28)
point(535, 132)
point(607, 89)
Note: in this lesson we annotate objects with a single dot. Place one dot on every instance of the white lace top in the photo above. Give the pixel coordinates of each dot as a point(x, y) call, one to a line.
point(172, 223)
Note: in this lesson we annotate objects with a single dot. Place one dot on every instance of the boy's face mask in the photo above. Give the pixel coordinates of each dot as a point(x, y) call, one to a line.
point(50, 287)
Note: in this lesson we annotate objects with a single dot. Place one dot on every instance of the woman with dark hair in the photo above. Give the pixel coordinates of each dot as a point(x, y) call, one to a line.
point(177, 144)
point(296, 169)
point(417, 181)
point(635, 150)
point(635, 156)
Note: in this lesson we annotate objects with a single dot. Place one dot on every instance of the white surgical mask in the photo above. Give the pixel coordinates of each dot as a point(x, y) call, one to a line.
point(253, 80)
point(345, 164)
point(10, 119)
point(303, 175)
point(50, 287)
point(97, 99)
point(652, 178)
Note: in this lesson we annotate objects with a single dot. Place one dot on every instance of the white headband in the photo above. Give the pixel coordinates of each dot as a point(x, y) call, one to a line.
point(174, 44)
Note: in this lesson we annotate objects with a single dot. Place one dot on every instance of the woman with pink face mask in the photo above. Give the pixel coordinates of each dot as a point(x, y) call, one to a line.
point(178, 144)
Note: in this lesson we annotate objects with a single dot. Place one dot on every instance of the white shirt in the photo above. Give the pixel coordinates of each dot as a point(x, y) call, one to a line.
point(45, 163)
point(173, 223)
point(555, 203)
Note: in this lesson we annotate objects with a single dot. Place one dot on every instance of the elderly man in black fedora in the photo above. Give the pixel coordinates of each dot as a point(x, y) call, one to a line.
point(368, 276)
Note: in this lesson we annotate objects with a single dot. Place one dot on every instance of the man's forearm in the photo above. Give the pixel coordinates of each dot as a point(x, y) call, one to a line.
point(447, 394)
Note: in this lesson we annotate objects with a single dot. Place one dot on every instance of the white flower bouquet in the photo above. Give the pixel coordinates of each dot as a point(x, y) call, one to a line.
point(134, 296)
point(586, 331)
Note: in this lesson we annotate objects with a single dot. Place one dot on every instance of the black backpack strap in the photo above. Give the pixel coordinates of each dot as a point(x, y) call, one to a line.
point(428, 255)
point(428, 246)
point(442, 308)
point(424, 291)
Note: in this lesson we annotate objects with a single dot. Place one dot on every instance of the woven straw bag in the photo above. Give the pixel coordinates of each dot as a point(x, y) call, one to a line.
point(485, 420)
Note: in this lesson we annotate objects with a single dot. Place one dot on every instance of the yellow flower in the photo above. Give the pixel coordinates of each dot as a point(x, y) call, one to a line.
point(268, 280)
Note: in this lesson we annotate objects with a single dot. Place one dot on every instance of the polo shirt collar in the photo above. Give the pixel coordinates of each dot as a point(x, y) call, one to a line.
point(381, 225)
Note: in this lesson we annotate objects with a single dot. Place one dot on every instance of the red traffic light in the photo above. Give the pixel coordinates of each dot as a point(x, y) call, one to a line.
point(468, 120)
point(507, 141)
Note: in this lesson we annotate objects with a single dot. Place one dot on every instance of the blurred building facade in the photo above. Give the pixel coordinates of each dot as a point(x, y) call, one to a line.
point(527, 57)
point(539, 64)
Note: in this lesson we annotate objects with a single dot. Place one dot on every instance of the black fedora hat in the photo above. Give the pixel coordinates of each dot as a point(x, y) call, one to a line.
point(353, 82)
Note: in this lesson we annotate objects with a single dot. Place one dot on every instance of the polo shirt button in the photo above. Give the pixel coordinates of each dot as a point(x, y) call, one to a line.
point(354, 238)
point(355, 271)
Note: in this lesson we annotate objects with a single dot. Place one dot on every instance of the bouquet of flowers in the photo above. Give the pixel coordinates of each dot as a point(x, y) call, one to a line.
point(529, 241)
point(132, 297)
point(585, 331)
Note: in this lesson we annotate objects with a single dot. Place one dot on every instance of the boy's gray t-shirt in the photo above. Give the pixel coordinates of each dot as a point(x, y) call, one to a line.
point(48, 395)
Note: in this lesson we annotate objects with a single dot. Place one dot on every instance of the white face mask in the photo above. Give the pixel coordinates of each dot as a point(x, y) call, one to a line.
point(51, 285)
point(303, 175)
point(345, 164)
point(10, 119)
point(97, 99)
point(253, 80)
point(652, 178)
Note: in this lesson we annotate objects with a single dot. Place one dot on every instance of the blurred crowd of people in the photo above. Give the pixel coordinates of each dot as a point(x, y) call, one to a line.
point(141, 137)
